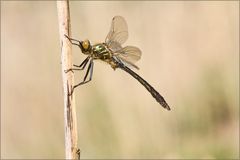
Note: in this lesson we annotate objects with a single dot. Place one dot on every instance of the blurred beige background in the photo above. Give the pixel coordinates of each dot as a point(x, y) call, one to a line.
point(190, 55)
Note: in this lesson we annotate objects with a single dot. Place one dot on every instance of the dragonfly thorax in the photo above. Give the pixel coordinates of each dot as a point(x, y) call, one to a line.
point(101, 51)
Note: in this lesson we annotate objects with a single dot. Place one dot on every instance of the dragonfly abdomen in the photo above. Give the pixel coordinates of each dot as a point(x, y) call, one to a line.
point(151, 90)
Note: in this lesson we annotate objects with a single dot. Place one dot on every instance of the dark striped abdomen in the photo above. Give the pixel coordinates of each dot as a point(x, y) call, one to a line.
point(151, 90)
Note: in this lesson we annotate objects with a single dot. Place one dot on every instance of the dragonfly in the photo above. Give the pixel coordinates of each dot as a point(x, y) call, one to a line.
point(112, 52)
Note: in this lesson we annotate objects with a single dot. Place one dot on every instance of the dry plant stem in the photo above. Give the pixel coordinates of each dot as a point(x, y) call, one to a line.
point(70, 120)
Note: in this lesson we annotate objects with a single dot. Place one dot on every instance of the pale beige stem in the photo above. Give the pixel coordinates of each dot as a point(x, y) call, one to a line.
point(70, 120)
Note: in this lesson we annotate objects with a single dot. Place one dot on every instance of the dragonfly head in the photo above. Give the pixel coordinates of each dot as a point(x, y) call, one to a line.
point(85, 46)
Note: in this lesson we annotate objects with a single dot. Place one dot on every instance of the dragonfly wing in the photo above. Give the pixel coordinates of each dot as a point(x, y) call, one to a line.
point(129, 55)
point(115, 46)
point(127, 63)
point(118, 33)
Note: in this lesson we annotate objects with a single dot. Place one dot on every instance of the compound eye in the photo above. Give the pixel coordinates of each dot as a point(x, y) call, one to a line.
point(85, 44)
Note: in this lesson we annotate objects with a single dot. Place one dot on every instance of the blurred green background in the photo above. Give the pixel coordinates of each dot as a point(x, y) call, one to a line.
point(190, 55)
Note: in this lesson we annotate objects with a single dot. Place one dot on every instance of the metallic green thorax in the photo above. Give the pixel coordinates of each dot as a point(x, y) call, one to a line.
point(101, 51)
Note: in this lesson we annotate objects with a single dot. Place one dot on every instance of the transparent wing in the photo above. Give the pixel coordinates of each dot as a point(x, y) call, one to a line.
point(114, 46)
point(118, 33)
point(129, 55)
point(127, 63)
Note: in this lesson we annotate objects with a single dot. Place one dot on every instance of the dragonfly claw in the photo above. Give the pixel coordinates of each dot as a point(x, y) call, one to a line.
point(66, 71)
point(70, 93)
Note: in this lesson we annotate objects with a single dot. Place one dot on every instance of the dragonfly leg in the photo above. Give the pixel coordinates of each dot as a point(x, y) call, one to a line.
point(71, 39)
point(90, 69)
point(80, 67)
point(72, 69)
point(83, 64)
